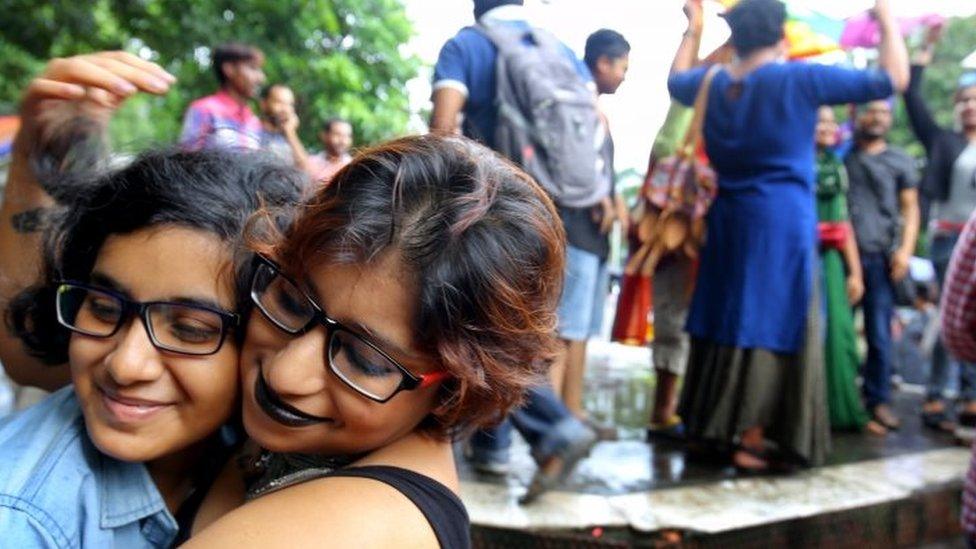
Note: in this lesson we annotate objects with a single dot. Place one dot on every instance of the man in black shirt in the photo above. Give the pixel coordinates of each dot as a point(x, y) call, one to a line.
point(883, 202)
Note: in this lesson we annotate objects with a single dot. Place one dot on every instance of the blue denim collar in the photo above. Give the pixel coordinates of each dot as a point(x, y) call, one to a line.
point(128, 494)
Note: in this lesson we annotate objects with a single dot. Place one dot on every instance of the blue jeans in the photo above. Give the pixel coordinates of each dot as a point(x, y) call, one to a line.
point(584, 296)
point(543, 421)
point(940, 252)
point(879, 305)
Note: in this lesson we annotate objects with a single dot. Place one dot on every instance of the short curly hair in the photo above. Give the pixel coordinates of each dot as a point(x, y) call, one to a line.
point(482, 242)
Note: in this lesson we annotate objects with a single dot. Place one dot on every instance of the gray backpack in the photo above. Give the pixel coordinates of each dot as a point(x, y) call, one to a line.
point(547, 116)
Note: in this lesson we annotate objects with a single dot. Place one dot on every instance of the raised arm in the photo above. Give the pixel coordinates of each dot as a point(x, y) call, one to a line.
point(920, 117)
point(64, 114)
point(687, 55)
point(892, 54)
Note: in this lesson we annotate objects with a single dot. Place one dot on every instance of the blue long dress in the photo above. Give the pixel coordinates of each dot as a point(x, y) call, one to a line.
point(752, 299)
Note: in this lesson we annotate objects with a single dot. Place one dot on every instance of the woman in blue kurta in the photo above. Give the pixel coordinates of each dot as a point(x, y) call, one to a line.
point(753, 379)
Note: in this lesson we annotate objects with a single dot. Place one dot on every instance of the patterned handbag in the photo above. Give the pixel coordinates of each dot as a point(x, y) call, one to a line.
point(677, 193)
point(669, 216)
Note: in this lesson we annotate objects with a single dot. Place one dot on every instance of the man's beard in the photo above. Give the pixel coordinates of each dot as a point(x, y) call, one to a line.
point(868, 134)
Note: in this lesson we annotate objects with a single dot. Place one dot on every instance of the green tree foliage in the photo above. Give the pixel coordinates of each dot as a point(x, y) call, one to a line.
point(941, 77)
point(342, 57)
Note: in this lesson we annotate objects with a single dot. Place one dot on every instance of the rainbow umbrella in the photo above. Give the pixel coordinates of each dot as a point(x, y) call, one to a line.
point(8, 129)
point(808, 32)
point(811, 33)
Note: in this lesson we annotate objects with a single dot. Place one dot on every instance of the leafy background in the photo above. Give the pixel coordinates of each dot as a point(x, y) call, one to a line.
point(342, 57)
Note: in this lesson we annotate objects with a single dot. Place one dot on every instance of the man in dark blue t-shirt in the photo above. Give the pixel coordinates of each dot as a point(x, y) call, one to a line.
point(464, 85)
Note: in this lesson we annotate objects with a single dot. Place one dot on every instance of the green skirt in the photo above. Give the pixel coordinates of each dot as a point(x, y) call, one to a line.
point(840, 350)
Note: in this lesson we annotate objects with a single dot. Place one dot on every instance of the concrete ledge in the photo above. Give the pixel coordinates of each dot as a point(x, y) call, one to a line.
point(728, 505)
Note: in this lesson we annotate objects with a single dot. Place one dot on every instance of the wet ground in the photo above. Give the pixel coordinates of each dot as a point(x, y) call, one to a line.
point(620, 383)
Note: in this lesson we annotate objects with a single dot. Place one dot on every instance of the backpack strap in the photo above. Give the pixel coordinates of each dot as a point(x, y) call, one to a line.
point(506, 37)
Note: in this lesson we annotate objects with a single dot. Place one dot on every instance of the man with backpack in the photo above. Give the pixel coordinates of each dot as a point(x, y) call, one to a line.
point(581, 308)
point(484, 73)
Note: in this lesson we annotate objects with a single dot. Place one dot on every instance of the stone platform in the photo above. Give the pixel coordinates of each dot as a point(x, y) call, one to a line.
point(898, 490)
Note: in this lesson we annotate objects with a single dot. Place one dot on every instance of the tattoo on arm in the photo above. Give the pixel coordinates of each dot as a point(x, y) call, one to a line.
point(31, 221)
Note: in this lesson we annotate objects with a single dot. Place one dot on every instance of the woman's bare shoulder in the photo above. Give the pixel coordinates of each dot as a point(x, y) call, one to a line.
point(335, 511)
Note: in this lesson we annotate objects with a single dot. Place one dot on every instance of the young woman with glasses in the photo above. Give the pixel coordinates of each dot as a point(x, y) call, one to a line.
point(142, 299)
point(412, 300)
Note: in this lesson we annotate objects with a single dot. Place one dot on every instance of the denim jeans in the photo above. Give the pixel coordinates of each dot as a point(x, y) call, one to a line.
point(543, 421)
point(940, 252)
point(879, 305)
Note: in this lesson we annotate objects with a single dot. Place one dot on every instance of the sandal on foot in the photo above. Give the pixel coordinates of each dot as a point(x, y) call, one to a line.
point(672, 429)
point(938, 421)
point(883, 414)
point(773, 465)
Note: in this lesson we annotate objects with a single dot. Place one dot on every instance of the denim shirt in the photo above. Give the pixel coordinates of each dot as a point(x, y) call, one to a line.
point(58, 490)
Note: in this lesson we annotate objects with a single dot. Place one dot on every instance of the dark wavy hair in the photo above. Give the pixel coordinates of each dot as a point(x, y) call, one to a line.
point(210, 190)
point(756, 24)
point(483, 245)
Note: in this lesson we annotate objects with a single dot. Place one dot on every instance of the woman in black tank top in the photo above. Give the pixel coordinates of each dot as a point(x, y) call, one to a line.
point(411, 300)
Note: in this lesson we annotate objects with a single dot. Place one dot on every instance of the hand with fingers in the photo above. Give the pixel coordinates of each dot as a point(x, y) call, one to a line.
point(694, 12)
point(91, 85)
point(924, 54)
point(64, 113)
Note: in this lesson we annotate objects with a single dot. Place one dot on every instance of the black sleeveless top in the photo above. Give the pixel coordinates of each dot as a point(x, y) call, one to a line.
point(443, 509)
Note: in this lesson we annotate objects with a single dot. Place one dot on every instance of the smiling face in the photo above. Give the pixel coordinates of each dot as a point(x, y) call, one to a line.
point(826, 132)
point(378, 302)
point(141, 403)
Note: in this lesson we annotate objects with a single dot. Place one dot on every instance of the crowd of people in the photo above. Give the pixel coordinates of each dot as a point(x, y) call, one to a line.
point(246, 343)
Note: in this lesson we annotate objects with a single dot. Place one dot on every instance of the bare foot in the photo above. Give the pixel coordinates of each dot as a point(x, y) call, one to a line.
point(884, 415)
point(874, 428)
point(744, 459)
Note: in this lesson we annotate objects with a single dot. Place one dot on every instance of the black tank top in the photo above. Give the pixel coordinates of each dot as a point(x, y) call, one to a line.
point(443, 509)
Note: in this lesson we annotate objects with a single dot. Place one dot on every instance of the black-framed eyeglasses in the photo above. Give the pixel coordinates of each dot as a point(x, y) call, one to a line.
point(358, 362)
point(175, 327)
